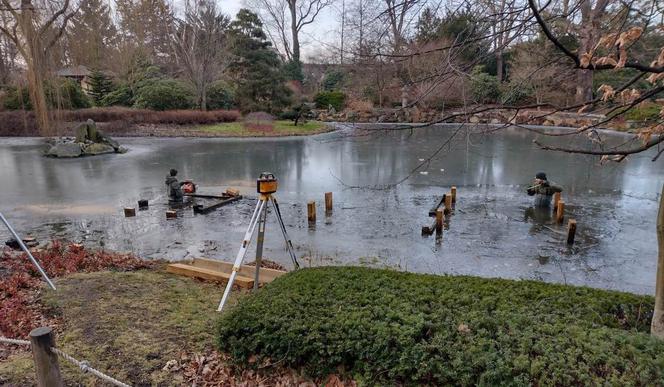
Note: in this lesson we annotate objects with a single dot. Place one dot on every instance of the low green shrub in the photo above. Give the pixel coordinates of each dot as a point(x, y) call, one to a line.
point(163, 94)
point(336, 99)
point(386, 327)
point(644, 112)
point(220, 96)
point(485, 87)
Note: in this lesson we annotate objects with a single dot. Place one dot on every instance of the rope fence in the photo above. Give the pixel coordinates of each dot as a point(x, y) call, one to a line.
point(83, 365)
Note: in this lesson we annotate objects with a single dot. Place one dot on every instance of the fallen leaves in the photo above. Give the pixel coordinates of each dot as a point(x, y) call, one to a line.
point(216, 369)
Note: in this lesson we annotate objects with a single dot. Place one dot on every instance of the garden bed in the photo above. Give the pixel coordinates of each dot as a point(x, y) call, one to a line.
point(386, 327)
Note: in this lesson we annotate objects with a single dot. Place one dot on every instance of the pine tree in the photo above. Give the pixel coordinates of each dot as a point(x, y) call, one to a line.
point(91, 37)
point(100, 86)
point(257, 68)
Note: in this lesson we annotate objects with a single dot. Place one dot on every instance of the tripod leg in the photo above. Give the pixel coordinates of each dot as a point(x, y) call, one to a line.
point(289, 244)
point(243, 250)
point(262, 217)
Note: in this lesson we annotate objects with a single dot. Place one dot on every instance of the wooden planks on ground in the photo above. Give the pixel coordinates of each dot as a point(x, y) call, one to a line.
point(220, 271)
point(211, 275)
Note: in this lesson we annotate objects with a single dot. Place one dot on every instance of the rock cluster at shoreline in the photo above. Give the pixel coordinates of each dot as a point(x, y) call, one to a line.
point(89, 141)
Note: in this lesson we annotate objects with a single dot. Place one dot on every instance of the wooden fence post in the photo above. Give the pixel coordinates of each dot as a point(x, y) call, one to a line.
point(129, 212)
point(556, 199)
point(454, 189)
point(448, 203)
point(560, 211)
point(439, 221)
point(328, 202)
point(170, 214)
point(46, 362)
point(571, 231)
point(311, 211)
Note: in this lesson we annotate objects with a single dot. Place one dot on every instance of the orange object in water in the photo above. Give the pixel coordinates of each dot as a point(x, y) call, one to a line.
point(189, 188)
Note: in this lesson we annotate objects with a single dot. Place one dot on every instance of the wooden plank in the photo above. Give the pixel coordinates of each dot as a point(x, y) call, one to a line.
point(212, 275)
point(198, 209)
point(202, 196)
point(267, 275)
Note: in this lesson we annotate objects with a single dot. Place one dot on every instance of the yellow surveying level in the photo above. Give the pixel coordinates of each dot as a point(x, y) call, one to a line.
point(266, 185)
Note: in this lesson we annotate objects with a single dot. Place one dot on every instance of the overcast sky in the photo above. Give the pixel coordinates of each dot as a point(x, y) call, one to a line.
point(317, 37)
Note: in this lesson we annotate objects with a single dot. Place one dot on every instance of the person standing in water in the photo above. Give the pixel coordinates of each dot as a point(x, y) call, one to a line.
point(543, 190)
point(175, 193)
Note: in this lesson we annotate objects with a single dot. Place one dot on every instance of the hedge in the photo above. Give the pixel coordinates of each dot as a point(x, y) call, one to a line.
point(325, 99)
point(385, 327)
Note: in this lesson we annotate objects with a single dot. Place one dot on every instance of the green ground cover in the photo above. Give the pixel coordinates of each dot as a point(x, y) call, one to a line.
point(384, 327)
point(277, 128)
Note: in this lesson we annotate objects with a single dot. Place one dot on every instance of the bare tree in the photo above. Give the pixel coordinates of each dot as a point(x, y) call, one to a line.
point(201, 47)
point(34, 34)
point(506, 18)
point(285, 20)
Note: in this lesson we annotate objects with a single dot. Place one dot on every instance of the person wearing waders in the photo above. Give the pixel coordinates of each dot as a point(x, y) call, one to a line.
point(543, 190)
point(175, 194)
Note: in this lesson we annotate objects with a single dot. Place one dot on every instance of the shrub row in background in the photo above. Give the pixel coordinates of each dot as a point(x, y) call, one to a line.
point(22, 123)
point(325, 99)
point(385, 327)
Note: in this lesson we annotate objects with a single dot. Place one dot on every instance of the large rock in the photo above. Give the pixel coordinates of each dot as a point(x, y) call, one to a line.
point(98, 149)
point(81, 132)
point(93, 134)
point(70, 149)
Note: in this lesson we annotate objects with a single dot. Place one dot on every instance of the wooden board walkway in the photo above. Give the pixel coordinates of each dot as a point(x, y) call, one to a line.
point(220, 271)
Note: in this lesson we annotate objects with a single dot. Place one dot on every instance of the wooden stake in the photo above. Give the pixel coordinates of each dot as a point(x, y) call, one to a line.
point(560, 211)
point(311, 211)
point(453, 194)
point(556, 199)
point(46, 361)
point(448, 203)
point(328, 201)
point(170, 214)
point(129, 212)
point(571, 231)
point(439, 221)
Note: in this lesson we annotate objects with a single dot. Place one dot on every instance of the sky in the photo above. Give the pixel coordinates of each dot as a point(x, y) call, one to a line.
point(316, 38)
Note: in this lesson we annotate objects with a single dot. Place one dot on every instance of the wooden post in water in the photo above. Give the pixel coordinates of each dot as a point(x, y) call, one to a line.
point(571, 231)
point(170, 214)
point(556, 199)
point(453, 191)
point(142, 205)
point(311, 212)
point(439, 221)
point(560, 211)
point(46, 361)
point(129, 212)
point(328, 202)
point(448, 203)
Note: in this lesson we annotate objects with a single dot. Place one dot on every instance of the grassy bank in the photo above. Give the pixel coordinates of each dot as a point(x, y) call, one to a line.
point(128, 325)
point(145, 327)
point(385, 327)
point(278, 128)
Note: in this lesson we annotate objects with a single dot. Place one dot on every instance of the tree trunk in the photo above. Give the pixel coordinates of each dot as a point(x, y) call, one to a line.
point(499, 65)
point(294, 32)
point(36, 69)
point(657, 325)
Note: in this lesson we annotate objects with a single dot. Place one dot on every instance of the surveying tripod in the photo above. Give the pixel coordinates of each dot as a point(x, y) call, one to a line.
point(267, 185)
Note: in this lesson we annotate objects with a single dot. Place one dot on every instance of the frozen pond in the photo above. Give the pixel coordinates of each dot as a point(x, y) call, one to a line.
point(492, 232)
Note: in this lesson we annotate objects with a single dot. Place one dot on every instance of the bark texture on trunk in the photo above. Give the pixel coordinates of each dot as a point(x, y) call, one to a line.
point(294, 31)
point(657, 325)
